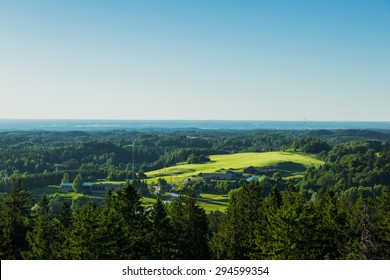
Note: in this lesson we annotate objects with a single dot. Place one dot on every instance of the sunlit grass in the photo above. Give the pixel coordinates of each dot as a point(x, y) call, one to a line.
point(237, 162)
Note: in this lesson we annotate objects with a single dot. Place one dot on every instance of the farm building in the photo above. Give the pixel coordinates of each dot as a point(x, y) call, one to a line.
point(252, 178)
point(92, 187)
point(228, 175)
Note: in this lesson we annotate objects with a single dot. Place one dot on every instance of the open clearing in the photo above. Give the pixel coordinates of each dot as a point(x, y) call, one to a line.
point(236, 162)
point(213, 202)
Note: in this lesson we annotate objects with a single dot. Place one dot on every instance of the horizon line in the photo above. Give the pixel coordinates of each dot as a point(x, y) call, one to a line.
point(186, 120)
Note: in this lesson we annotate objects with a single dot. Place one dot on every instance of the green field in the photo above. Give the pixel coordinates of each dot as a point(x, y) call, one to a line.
point(51, 191)
point(236, 162)
point(213, 202)
point(210, 202)
point(294, 162)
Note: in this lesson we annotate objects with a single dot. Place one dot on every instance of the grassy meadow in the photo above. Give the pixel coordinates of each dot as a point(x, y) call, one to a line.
point(236, 162)
point(295, 162)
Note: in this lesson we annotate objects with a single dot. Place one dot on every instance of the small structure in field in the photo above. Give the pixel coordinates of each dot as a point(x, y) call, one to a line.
point(92, 187)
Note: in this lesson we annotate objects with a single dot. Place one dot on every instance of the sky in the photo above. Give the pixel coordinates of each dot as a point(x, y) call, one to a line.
point(195, 60)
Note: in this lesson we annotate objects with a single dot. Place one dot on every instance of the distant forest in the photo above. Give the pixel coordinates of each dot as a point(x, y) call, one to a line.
point(340, 210)
point(43, 157)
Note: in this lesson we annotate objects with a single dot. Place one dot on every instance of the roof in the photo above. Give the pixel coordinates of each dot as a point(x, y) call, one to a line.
point(252, 178)
point(85, 185)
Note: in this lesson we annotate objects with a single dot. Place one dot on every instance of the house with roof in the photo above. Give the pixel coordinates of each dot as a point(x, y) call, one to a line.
point(92, 187)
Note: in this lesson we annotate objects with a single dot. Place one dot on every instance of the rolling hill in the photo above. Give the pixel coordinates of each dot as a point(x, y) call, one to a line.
point(295, 162)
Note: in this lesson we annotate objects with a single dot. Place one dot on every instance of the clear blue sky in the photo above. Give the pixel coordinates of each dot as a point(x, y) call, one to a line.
point(199, 59)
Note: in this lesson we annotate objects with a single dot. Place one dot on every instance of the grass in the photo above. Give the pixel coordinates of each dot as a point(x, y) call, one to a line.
point(213, 202)
point(52, 190)
point(237, 162)
point(148, 201)
point(210, 202)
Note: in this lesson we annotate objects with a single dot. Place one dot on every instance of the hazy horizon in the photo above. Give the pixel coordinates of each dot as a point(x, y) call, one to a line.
point(108, 125)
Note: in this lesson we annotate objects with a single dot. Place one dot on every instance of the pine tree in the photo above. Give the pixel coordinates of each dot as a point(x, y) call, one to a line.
point(381, 220)
point(161, 232)
point(86, 241)
point(196, 230)
point(236, 237)
point(331, 225)
point(177, 215)
point(124, 222)
point(44, 235)
point(287, 231)
point(362, 235)
point(14, 221)
point(65, 216)
point(191, 229)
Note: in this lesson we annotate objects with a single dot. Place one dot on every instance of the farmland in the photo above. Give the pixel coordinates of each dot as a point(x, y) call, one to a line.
point(236, 162)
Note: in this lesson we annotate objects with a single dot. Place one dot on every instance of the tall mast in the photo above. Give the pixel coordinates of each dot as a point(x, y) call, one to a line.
point(133, 155)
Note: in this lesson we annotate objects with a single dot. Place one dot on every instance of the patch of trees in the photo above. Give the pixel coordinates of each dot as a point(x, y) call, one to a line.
point(311, 145)
point(286, 225)
point(119, 228)
point(356, 164)
point(192, 158)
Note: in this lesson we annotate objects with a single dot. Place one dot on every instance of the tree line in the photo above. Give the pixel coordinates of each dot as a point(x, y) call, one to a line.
point(44, 156)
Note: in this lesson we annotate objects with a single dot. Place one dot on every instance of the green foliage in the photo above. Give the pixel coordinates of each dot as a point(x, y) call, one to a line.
point(15, 221)
point(235, 238)
point(236, 161)
point(78, 202)
point(286, 229)
point(65, 178)
point(161, 235)
point(191, 229)
point(311, 145)
point(355, 164)
point(256, 225)
point(85, 240)
point(340, 209)
point(77, 185)
point(44, 235)
point(192, 158)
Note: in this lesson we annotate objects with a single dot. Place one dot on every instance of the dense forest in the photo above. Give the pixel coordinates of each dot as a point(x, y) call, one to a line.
point(339, 210)
point(43, 157)
point(280, 225)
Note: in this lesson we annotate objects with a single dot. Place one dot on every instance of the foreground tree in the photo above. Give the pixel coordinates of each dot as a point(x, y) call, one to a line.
point(14, 221)
point(191, 228)
point(44, 235)
point(236, 236)
point(161, 236)
point(86, 241)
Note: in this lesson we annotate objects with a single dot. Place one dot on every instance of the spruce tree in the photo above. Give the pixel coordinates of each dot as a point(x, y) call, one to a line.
point(125, 221)
point(44, 234)
point(287, 231)
point(137, 225)
point(86, 241)
point(191, 228)
point(162, 245)
point(196, 230)
point(14, 221)
point(177, 215)
point(236, 237)
point(381, 219)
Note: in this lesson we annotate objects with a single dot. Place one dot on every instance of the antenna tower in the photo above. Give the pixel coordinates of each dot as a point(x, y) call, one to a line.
point(133, 156)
